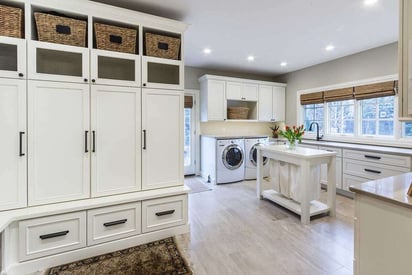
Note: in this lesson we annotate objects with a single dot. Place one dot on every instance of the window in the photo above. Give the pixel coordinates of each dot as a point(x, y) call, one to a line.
point(313, 113)
point(407, 129)
point(341, 116)
point(377, 116)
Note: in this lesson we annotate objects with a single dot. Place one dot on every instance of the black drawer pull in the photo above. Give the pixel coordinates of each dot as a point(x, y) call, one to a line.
point(372, 171)
point(107, 224)
point(372, 157)
point(144, 140)
point(54, 235)
point(163, 46)
point(94, 141)
point(21, 154)
point(63, 29)
point(86, 133)
point(115, 39)
point(163, 213)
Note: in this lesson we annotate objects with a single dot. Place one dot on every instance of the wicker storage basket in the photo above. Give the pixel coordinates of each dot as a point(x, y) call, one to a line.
point(114, 38)
point(61, 30)
point(237, 112)
point(162, 46)
point(11, 21)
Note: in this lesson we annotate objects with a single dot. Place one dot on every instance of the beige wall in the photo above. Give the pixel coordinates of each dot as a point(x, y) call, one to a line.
point(376, 62)
point(226, 128)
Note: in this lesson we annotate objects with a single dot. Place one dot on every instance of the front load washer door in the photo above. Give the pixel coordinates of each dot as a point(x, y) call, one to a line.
point(232, 157)
point(253, 155)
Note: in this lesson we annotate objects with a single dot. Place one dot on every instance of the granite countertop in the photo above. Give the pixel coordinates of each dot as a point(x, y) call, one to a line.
point(235, 136)
point(393, 189)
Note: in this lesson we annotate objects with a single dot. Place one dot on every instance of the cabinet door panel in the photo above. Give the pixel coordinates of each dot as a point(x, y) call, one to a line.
point(279, 104)
point(250, 92)
point(116, 129)
point(234, 90)
point(12, 144)
point(162, 123)
point(58, 162)
point(265, 103)
point(12, 57)
point(216, 100)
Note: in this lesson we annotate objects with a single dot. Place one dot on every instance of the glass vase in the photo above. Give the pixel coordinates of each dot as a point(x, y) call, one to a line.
point(291, 144)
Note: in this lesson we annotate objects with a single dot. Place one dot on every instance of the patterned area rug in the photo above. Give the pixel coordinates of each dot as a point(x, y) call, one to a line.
point(159, 257)
point(196, 185)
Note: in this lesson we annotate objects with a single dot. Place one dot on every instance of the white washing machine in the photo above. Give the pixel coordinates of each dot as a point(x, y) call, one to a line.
point(230, 160)
point(251, 157)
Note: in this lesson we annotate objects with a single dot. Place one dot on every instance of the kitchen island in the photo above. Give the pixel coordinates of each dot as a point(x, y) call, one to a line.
point(383, 226)
point(305, 159)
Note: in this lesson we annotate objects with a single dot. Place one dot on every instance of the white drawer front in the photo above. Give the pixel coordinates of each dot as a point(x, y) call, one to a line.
point(114, 222)
point(332, 149)
point(371, 170)
point(163, 213)
point(348, 180)
point(387, 159)
point(50, 235)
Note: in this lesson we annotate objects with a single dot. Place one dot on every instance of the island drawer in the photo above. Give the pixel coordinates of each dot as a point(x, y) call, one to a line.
point(163, 213)
point(113, 222)
point(371, 170)
point(387, 159)
point(332, 149)
point(50, 235)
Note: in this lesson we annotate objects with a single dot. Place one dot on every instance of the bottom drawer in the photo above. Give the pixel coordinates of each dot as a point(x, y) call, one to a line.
point(50, 235)
point(164, 212)
point(113, 222)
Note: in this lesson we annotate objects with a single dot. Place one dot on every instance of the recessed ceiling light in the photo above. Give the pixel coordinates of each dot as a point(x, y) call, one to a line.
point(369, 2)
point(329, 47)
point(250, 58)
point(283, 64)
point(207, 51)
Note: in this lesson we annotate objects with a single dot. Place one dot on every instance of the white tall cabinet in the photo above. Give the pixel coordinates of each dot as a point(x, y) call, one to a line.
point(91, 141)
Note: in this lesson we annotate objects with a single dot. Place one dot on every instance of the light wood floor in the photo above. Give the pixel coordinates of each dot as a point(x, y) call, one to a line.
point(233, 232)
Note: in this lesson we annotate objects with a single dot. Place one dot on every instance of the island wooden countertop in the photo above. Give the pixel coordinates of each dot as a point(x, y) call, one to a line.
point(392, 189)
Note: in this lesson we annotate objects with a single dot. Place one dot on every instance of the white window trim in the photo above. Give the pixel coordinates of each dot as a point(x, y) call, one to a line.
point(397, 140)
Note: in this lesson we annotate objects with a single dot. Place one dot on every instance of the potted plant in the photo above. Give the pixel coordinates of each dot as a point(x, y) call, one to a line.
point(293, 134)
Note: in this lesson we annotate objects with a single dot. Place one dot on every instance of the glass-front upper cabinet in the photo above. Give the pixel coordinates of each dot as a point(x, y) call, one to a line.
point(12, 57)
point(115, 68)
point(57, 62)
point(162, 73)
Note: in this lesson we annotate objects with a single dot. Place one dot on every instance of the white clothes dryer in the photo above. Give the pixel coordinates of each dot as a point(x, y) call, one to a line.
point(251, 157)
point(230, 160)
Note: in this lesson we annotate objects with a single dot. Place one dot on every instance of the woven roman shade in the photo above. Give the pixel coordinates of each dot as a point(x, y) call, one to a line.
point(188, 102)
point(376, 90)
point(339, 94)
point(312, 98)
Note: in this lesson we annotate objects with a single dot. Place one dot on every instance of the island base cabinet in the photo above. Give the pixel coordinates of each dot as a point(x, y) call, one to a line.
point(383, 238)
point(162, 134)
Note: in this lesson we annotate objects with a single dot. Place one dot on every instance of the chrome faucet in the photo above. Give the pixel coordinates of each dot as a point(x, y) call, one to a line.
point(317, 130)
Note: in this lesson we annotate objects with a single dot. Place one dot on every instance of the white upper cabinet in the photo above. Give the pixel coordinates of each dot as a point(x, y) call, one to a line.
point(212, 100)
point(241, 91)
point(57, 62)
point(162, 73)
point(271, 103)
point(115, 140)
point(13, 133)
point(114, 68)
point(58, 142)
point(405, 60)
point(12, 57)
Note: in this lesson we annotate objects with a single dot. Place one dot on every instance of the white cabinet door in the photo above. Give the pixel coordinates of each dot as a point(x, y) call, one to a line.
point(13, 166)
point(162, 128)
point(115, 140)
point(12, 57)
point(161, 73)
point(250, 92)
point(212, 100)
point(234, 90)
point(58, 161)
point(265, 103)
point(278, 104)
point(324, 173)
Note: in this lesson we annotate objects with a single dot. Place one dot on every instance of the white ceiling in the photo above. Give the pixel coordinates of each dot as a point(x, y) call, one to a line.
point(295, 31)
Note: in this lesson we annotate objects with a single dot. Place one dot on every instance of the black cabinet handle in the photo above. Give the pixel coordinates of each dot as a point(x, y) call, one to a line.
point(94, 141)
point(85, 80)
point(372, 171)
point(144, 84)
point(21, 74)
point(372, 157)
point(94, 80)
point(163, 213)
point(107, 224)
point(86, 133)
point(144, 140)
point(54, 235)
point(21, 144)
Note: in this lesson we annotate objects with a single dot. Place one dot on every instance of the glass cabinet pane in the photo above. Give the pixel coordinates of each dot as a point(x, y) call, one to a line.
point(163, 73)
point(116, 68)
point(8, 57)
point(58, 62)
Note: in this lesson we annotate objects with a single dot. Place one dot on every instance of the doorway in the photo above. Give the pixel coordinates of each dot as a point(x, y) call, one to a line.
point(191, 125)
